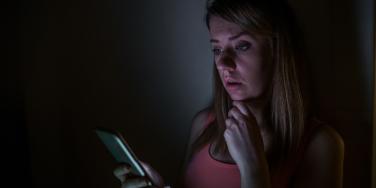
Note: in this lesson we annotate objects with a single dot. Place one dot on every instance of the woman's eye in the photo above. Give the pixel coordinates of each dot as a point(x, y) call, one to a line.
point(216, 51)
point(243, 47)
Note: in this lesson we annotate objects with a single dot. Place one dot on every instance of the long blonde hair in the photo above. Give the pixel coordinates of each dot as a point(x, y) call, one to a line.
point(287, 107)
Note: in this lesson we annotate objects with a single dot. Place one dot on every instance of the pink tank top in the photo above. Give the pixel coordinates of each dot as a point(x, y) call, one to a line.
point(203, 171)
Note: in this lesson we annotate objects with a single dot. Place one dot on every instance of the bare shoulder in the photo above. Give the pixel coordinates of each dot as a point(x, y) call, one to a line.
point(326, 141)
point(197, 127)
point(322, 164)
point(198, 123)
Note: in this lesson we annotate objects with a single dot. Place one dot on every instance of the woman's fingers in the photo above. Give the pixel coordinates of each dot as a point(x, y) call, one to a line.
point(237, 115)
point(241, 113)
point(153, 174)
point(242, 108)
point(229, 122)
point(128, 179)
point(136, 182)
point(121, 171)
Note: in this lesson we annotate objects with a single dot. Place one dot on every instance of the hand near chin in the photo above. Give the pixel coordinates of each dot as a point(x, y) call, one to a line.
point(243, 138)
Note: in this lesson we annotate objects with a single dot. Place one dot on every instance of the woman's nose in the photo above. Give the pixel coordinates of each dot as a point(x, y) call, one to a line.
point(226, 61)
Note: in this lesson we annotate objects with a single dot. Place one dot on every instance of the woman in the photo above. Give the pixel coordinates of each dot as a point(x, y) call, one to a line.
point(259, 130)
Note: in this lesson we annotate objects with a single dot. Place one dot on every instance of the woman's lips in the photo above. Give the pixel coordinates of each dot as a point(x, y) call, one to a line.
point(233, 85)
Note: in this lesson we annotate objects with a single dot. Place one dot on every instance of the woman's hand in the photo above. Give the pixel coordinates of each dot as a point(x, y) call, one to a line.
point(129, 180)
point(245, 145)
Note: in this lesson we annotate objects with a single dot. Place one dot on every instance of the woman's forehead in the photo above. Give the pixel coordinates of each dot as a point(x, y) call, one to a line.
point(221, 29)
point(220, 26)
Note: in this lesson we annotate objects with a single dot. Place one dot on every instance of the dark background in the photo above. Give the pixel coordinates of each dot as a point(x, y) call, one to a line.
point(144, 68)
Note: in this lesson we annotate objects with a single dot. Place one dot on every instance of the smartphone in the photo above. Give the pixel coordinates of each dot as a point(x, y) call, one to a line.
point(120, 150)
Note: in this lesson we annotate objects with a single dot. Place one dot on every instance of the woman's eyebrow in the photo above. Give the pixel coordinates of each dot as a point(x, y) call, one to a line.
point(231, 38)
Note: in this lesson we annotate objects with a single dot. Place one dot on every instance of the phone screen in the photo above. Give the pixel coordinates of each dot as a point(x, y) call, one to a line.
point(120, 150)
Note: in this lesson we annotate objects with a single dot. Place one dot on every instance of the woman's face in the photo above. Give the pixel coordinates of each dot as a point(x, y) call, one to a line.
point(243, 61)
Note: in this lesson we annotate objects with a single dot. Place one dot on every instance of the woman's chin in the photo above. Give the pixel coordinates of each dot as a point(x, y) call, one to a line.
point(238, 97)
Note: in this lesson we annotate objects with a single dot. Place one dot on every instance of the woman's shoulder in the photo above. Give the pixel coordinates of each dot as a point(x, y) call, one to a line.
point(204, 115)
point(323, 133)
point(324, 144)
point(323, 156)
point(200, 121)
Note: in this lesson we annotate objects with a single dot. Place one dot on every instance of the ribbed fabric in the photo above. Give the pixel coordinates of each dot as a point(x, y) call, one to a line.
point(203, 171)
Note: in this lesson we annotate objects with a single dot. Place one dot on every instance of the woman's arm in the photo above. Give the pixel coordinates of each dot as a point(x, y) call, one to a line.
point(322, 165)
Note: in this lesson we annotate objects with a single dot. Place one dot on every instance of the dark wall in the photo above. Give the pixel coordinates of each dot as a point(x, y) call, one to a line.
point(133, 66)
point(340, 40)
point(144, 68)
point(15, 151)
